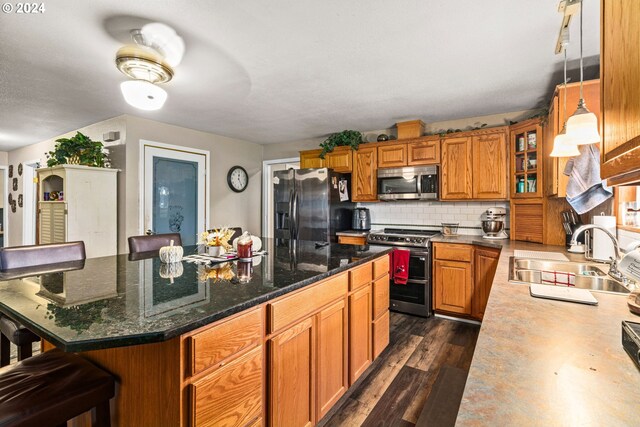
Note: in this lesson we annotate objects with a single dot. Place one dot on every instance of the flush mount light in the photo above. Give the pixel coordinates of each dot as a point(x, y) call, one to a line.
point(143, 94)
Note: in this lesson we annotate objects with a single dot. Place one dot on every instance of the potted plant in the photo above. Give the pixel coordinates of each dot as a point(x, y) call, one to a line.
point(78, 150)
point(346, 138)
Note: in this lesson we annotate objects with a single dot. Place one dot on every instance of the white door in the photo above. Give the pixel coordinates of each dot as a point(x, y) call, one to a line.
point(175, 191)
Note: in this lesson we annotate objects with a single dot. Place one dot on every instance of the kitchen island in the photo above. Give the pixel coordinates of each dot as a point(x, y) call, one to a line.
point(544, 362)
point(197, 344)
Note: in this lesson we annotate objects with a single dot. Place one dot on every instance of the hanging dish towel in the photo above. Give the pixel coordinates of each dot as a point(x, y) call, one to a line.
point(400, 266)
point(585, 189)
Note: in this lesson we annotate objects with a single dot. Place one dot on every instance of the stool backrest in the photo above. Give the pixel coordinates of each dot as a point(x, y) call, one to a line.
point(38, 255)
point(153, 242)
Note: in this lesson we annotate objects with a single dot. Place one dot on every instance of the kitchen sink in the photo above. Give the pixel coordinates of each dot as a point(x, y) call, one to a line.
point(589, 276)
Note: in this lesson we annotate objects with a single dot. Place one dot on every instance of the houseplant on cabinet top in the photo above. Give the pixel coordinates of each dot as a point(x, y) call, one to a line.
point(78, 150)
point(351, 138)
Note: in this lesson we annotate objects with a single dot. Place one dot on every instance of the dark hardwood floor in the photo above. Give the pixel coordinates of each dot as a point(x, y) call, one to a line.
point(417, 381)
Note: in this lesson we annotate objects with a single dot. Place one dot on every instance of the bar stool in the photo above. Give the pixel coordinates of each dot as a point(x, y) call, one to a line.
point(53, 387)
point(22, 258)
point(152, 242)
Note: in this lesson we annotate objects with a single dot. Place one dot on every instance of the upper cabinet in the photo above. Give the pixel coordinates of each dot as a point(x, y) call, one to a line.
point(620, 86)
point(365, 175)
point(340, 159)
point(392, 155)
point(526, 146)
point(456, 172)
point(555, 180)
point(311, 159)
point(489, 166)
point(424, 151)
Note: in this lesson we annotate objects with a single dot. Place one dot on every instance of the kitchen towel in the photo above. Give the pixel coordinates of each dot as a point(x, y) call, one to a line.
point(585, 189)
point(400, 266)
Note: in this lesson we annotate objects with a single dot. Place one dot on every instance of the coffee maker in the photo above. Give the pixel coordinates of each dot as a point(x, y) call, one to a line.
point(494, 223)
point(361, 219)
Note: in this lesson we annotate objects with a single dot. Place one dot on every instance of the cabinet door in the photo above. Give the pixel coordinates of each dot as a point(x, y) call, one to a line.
point(231, 396)
point(490, 166)
point(340, 160)
point(311, 159)
point(552, 128)
point(359, 332)
point(292, 379)
point(527, 220)
point(364, 178)
point(332, 356)
point(390, 156)
point(485, 264)
point(620, 85)
point(380, 334)
point(456, 168)
point(452, 286)
point(423, 152)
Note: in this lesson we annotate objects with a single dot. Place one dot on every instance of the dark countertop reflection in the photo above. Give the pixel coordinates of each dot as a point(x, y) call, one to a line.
point(118, 301)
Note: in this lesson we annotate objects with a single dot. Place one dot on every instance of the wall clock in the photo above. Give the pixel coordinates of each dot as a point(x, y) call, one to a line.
point(238, 179)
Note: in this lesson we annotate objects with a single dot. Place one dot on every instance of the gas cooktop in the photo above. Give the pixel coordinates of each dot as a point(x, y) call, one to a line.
point(402, 237)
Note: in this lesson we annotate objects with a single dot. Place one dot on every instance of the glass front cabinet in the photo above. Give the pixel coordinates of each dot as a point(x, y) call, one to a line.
point(526, 159)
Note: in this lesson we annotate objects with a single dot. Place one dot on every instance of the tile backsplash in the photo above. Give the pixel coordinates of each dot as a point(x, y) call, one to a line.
point(431, 214)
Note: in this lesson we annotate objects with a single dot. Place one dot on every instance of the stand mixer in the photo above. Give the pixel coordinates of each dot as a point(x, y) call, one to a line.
point(493, 224)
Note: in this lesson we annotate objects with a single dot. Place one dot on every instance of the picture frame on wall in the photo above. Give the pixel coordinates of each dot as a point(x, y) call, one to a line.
point(10, 171)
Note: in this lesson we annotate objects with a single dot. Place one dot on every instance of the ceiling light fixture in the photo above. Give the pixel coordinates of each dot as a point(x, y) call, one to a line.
point(562, 145)
point(582, 126)
point(149, 63)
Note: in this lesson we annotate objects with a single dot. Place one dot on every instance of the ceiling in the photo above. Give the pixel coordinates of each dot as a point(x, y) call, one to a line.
point(288, 70)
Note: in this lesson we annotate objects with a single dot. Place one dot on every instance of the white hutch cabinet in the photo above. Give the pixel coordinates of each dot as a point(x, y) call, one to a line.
point(79, 203)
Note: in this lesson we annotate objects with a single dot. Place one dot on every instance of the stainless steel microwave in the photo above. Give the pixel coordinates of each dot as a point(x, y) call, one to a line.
point(408, 183)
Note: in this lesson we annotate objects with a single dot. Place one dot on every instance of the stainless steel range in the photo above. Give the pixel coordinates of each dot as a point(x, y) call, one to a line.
point(415, 296)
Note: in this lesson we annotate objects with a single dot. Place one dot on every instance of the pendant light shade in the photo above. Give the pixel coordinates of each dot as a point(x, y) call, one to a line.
point(563, 146)
point(143, 94)
point(582, 126)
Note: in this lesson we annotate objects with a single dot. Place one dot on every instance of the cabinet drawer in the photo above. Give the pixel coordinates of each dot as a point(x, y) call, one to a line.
point(380, 266)
point(352, 240)
point(221, 342)
point(231, 395)
point(380, 334)
point(302, 304)
point(453, 252)
point(360, 276)
point(380, 296)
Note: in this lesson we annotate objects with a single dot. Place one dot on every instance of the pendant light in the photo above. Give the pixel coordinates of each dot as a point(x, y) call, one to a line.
point(582, 126)
point(562, 144)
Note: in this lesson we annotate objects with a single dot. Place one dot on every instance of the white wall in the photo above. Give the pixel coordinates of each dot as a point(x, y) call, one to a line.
point(431, 214)
point(37, 151)
point(226, 207)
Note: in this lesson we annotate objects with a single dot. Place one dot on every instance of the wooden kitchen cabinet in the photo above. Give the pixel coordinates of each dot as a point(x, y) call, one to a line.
point(528, 220)
point(392, 155)
point(526, 159)
point(352, 240)
point(489, 166)
point(311, 159)
point(292, 385)
point(425, 151)
point(340, 160)
point(620, 78)
point(555, 181)
point(485, 264)
point(332, 356)
point(364, 178)
point(452, 286)
point(360, 346)
point(456, 169)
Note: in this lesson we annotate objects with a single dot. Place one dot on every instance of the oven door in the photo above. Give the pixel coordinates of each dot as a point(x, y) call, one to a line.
point(414, 297)
point(398, 184)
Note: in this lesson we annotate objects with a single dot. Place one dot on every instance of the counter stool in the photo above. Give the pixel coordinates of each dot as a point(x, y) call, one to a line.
point(19, 258)
point(53, 387)
point(152, 242)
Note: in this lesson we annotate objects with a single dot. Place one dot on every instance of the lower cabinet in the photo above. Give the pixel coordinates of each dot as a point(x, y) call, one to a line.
point(292, 359)
point(360, 313)
point(462, 278)
point(452, 286)
point(332, 356)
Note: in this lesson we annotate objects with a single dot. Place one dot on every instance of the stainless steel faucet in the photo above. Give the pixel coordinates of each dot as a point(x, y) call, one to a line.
point(613, 269)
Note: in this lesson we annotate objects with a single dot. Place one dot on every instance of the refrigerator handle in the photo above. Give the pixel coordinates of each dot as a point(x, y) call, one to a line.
point(295, 214)
point(291, 220)
point(419, 184)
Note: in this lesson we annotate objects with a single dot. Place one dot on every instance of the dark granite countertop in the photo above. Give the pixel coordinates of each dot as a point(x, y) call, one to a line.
point(114, 301)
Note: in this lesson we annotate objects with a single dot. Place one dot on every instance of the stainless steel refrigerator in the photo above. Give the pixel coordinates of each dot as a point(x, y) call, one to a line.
point(310, 204)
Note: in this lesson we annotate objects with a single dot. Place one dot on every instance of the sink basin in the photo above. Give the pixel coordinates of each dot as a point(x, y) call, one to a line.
point(589, 276)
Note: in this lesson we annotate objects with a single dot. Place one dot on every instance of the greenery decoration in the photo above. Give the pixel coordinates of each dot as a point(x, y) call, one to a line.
point(346, 138)
point(78, 150)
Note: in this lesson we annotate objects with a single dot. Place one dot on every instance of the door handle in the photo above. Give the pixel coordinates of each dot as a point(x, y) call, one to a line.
point(149, 232)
